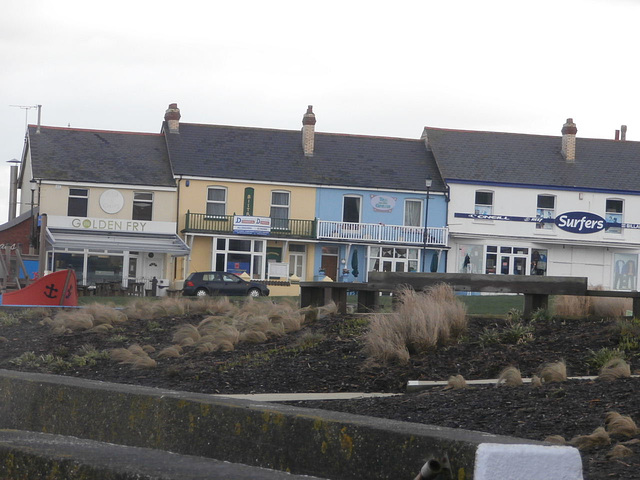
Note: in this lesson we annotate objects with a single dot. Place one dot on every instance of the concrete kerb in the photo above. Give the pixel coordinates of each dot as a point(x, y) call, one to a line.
point(280, 437)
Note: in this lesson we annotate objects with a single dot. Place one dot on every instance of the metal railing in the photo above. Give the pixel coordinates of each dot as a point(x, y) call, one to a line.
point(325, 230)
point(380, 233)
point(280, 227)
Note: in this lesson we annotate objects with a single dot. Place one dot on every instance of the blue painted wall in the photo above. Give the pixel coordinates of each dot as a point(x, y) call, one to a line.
point(329, 206)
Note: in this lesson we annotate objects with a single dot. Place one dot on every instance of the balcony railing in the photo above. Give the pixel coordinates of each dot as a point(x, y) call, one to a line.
point(380, 233)
point(280, 227)
point(324, 230)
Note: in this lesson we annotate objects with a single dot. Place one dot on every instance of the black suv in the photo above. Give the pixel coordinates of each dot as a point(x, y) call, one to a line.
point(201, 284)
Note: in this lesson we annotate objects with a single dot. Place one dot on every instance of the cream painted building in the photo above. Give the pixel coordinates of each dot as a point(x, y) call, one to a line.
point(107, 203)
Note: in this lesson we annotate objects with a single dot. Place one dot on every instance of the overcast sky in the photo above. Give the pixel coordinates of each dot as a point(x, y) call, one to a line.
point(367, 67)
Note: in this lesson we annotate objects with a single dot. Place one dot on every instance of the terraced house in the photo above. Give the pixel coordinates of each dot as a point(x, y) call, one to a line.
point(107, 205)
point(542, 205)
point(277, 204)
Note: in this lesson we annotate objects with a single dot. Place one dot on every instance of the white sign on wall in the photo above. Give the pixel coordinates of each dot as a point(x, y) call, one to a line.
point(110, 224)
point(111, 201)
point(246, 225)
point(382, 203)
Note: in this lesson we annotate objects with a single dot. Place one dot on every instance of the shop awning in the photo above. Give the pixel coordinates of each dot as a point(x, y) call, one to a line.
point(115, 241)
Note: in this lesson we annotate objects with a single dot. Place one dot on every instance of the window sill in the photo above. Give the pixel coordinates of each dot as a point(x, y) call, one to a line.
point(483, 222)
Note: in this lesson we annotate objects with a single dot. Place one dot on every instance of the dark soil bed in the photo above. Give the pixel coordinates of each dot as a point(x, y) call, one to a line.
point(326, 356)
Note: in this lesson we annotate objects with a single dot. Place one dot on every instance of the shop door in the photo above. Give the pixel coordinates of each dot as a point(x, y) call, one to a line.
point(133, 270)
point(329, 263)
point(512, 265)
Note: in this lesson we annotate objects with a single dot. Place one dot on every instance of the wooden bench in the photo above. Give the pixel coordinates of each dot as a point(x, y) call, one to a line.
point(536, 289)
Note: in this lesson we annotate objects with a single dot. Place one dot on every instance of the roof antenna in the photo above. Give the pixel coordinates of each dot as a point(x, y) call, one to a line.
point(26, 109)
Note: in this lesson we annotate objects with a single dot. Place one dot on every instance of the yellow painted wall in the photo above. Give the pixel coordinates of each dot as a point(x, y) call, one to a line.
point(200, 259)
point(194, 199)
point(54, 200)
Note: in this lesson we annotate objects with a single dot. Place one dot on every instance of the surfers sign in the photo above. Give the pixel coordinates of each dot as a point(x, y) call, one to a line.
point(580, 222)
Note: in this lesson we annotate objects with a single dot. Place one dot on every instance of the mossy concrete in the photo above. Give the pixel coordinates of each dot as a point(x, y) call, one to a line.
point(280, 437)
point(30, 455)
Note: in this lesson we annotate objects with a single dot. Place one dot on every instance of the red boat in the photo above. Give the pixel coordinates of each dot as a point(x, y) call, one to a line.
point(56, 289)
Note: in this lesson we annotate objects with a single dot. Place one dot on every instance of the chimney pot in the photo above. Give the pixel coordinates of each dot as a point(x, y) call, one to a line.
point(569, 131)
point(308, 131)
point(172, 117)
point(623, 133)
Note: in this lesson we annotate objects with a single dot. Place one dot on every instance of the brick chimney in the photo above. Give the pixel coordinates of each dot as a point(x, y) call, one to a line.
point(308, 131)
point(569, 131)
point(172, 117)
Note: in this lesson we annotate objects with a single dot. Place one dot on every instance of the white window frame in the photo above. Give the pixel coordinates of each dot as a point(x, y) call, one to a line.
point(297, 261)
point(359, 197)
point(76, 195)
point(610, 215)
point(545, 212)
point(142, 200)
point(420, 214)
point(278, 222)
point(216, 202)
point(484, 208)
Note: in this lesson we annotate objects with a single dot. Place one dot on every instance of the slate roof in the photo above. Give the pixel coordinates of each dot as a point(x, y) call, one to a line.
point(260, 154)
point(491, 157)
point(95, 156)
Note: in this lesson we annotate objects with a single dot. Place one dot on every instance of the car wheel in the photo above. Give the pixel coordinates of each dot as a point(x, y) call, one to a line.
point(254, 292)
point(201, 292)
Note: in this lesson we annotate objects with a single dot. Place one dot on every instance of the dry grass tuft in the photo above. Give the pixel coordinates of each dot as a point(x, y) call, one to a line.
point(556, 439)
point(619, 451)
point(105, 315)
point(620, 424)
point(614, 369)
point(536, 381)
point(421, 321)
point(186, 334)
point(598, 438)
point(456, 382)
point(554, 372)
point(134, 356)
point(510, 377)
point(576, 306)
point(174, 351)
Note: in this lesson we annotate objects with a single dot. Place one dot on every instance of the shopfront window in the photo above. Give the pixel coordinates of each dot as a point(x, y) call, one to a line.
point(392, 259)
point(74, 261)
point(104, 268)
point(625, 271)
point(484, 203)
point(470, 258)
point(546, 209)
point(614, 210)
point(240, 256)
point(538, 261)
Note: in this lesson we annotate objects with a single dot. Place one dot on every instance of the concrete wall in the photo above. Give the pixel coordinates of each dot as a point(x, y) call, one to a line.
point(297, 440)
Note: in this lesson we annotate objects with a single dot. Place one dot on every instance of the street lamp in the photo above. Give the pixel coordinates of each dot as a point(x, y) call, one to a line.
point(428, 182)
point(33, 184)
